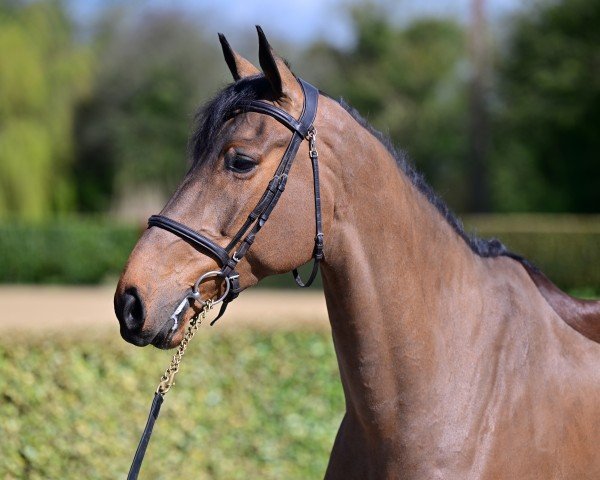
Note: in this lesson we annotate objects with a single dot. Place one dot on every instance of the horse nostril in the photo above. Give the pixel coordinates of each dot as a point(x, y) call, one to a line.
point(132, 309)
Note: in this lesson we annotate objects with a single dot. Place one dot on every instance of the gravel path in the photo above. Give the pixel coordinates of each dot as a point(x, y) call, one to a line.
point(50, 308)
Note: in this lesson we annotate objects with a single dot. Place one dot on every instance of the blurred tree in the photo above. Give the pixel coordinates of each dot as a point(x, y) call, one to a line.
point(42, 74)
point(151, 75)
point(547, 140)
point(477, 156)
point(410, 82)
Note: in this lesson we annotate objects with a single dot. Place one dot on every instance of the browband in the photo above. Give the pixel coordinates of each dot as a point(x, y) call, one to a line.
point(282, 116)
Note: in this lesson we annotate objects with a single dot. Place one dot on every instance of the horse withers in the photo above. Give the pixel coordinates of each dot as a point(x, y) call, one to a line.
point(458, 359)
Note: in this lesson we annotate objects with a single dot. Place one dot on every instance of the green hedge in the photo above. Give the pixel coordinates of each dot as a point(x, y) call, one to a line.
point(65, 251)
point(245, 405)
point(77, 251)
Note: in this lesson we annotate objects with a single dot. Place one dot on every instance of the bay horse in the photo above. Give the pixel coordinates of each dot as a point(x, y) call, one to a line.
point(457, 358)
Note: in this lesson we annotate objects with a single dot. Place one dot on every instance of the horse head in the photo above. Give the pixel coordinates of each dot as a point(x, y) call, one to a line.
point(242, 154)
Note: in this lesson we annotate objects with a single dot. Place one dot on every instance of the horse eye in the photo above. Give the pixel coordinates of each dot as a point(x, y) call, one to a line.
point(240, 164)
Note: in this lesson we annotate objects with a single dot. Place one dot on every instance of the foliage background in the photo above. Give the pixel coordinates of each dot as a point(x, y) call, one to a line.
point(42, 75)
point(260, 404)
point(545, 156)
point(95, 117)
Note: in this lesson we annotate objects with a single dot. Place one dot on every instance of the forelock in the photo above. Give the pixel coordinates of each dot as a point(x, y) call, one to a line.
point(209, 119)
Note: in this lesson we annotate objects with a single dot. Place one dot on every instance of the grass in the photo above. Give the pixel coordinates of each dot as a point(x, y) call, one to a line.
point(247, 404)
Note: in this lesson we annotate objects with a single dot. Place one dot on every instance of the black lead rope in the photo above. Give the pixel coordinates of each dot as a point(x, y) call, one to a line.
point(143, 445)
point(166, 382)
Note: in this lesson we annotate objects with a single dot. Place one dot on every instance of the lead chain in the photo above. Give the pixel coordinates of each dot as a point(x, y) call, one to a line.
point(166, 381)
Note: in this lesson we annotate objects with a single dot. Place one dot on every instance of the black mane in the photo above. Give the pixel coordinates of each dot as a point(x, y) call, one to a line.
point(236, 97)
point(482, 247)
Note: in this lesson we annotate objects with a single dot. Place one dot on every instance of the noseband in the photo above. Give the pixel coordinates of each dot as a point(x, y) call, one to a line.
point(302, 129)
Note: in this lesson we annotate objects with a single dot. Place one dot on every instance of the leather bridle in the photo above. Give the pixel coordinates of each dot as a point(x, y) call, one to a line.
point(302, 129)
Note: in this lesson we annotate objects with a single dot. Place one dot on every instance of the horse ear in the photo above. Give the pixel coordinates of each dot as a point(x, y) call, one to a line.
point(276, 71)
point(238, 65)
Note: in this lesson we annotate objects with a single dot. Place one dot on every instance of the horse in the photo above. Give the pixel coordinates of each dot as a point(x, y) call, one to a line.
point(458, 359)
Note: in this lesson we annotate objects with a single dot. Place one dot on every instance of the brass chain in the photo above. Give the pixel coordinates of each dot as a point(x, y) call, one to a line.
point(166, 381)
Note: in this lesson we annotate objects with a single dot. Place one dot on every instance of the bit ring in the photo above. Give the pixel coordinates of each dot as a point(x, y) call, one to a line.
point(212, 273)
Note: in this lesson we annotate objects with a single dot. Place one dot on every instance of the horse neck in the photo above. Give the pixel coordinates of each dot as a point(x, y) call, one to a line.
point(398, 281)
